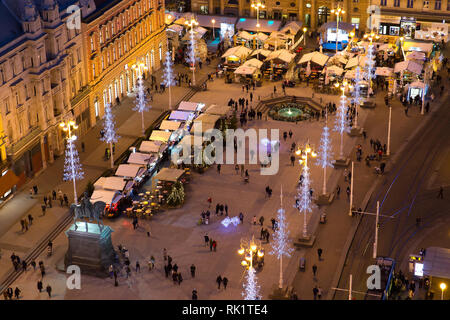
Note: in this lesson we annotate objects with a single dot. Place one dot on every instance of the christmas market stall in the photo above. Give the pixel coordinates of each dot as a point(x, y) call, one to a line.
point(134, 172)
point(168, 185)
point(280, 61)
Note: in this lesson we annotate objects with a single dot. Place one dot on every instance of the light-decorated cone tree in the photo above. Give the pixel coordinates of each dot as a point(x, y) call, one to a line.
point(192, 57)
point(176, 196)
point(357, 98)
point(304, 198)
point(141, 102)
point(72, 166)
point(281, 244)
point(109, 126)
point(370, 66)
point(251, 287)
point(169, 76)
point(340, 123)
point(325, 153)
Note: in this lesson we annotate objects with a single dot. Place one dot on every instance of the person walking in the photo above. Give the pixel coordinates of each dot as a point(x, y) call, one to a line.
point(193, 271)
point(180, 278)
point(219, 281)
point(225, 282)
point(319, 293)
point(214, 245)
point(43, 207)
point(218, 168)
point(241, 217)
point(319, 253)
point(210, 244)
point(338, 191)
point(206, 237)
point(17, 293)
point(348, 193)
point(315, 292)
point(49, 290)
point(441, 193)
point(138, 266)
point(39, 285)
point(194, 295)
point(261, 220)
point(30, 219)
point(10, 293)
point(314, 269)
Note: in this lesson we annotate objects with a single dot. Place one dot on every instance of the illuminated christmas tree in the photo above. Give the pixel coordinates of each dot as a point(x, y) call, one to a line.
point(141, 102)
point(251, 287)
point(168, 76)
point(110, 135)
point(325, 154)
point(72, 166)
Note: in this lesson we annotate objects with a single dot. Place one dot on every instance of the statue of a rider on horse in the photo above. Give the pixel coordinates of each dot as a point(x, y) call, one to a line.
point(88, 210)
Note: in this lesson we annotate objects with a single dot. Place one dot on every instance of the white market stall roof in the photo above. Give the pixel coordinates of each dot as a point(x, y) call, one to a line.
point(334, 70)
point(180, 21)
point(384, 71)
point(168, 174)
point(206, 20)
point(292, 27)
point(408, 65)
point(179, 115)
point(282, 54)
point(255, 63)
point(385, 47)
point(159, 135)
point(170, 125)
point(417, 84)
point(249, 24)
point(262, 52)
point(316, 57)
point(280, 35)
point(260, 36)
point(107, 196)
point(350, 74)
point(140, 158)
point(244, 70)
point(128, 170)
point(426, 47)
point(200, 30)
point(175, 28)
point(415, 55)
point(244, 35)
point(275, 41)
point(239, 51)
point(110, 183)
point(220, 110)
point(356, 61)
point(338, 58)
point(151, 146)
point(205, 126)
point(190, 106)
point(207, 118)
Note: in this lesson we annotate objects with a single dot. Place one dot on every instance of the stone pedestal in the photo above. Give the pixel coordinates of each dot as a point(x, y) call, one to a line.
point(325, 199)
point(356, 131)
point(307, 241)
point(91, 249)
point(341, 162)
point(279, 294)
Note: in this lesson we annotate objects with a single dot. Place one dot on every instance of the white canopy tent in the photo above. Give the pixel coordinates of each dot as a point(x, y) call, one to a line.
point(356, 61)
point(240, 52)
point(334, 70)
point(292, 27)
point(220, 110)
point(180, 115)
point(110, 183)
point(243, 70)
point(261, 52)
point(107, 196)
point(408, 65)
point(151, 146)
point(244, 35)
point(169, 174)
point(255, 63)
point(140, 158)
point(416, 55)
point(129, 170)
point(260, 36)
point(170, 125)
point(210, 118)
point(316, 57)
point(282, 54)
point(350, 74)
point(159, 135)
point(188, 106)
point(384, 71)
point(175, 28)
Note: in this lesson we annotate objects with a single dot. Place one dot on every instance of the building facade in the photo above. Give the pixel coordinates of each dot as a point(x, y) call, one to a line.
point(313, 13)
point(118, 35)
point(41, 70)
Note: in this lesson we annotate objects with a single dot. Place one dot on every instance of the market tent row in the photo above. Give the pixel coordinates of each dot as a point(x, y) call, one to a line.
point(262, 53)
point(107, 196)
point(315, 57)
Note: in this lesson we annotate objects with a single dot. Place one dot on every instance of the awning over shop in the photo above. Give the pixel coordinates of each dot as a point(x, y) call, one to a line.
point(159, 135)
point(170, 125)
point(384, 71)
point(140, 158)
point(408, 65)
point(168, 174)
point(334, 70)
point(151, 146)
point(243, 70)
point(249, 24)
point(356, 61)
point(220, 110)
point(190, 106)
point(282, 55)
point(110, 183)
point(180, 115)
point(255, 63)
point(128, 170)
point(437, 262)
point(263, 53)
point(316, 57)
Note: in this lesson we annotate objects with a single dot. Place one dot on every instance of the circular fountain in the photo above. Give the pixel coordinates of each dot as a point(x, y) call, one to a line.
point(290, 112)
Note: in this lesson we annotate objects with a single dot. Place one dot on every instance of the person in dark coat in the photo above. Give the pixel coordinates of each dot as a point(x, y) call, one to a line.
point(219, 281)
point(39, 285)
point(49, 291)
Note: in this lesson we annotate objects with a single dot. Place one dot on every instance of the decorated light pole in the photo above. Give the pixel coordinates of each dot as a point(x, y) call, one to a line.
point(304, 36)
point(357, 101)
point(370, 58)
point(281, 244)
point(169, 76)
point(72, 166)
point(257, 5)
point(250, 248)
point(192, 46)
point(110, 135)
point(213, 21)
point(338, 12)
point(141, 101)
point(341, 124)
point(324, 160)
point(303, 203)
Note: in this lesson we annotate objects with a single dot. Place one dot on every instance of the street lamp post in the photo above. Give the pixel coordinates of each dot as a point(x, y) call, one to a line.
point(304, 36)
point(338, 11)
point(305, 204)
point(68, 127)
point(257, 5)
point(351, 189)
point(388, 148)
point(213, 22)
point(443, 286)
point(191, 24)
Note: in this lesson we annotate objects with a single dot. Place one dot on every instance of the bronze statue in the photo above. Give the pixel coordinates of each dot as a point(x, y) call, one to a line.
point(88, 210)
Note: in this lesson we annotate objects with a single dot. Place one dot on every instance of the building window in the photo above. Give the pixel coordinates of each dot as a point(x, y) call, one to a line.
point(396, 3)
point(355, 22)
point(382, 2)
point(101, 36)
point(160, 52)
point(125, 46)
point(92, 44)
point(426, 4)
point(204, 10)
point(107, 58)
point(355, 9)
point(410, 3)
point(103, 63)
point(93, 69)
point(114, 54)
point(107, 33)
point(112, 29)
point(437, 5)
point(7, 108)
point(120, 49)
